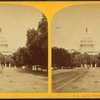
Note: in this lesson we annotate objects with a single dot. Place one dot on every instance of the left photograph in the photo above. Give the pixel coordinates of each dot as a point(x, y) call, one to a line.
point(23, 49)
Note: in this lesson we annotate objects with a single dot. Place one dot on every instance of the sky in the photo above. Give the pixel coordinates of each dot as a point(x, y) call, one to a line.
point(14, 22)
point(69, 25)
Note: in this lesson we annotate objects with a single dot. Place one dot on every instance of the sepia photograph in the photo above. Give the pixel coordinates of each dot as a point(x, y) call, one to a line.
point(23, 49)
point(76, 49)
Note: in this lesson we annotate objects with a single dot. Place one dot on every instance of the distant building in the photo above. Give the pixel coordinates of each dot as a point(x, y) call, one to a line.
point(3, 44)
point(87, 44)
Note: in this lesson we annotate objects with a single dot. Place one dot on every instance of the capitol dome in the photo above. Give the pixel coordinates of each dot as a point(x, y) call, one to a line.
point(86, 40)
point(3, 44)
point(87, 44)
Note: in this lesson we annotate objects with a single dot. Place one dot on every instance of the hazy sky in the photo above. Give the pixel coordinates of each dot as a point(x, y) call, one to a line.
point(15, 20)
point(68, 26)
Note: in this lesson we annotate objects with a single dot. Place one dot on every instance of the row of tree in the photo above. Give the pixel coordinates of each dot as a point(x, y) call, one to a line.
point(5, 60)
point(36, 51)
point(61, 58)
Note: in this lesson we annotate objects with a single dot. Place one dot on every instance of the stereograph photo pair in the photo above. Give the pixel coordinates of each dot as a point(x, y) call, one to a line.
point(75, 49)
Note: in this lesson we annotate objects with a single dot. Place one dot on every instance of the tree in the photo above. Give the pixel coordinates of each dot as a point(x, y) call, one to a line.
point(36, 50)
point(87, 59)
point(37, 44)
point(20, 58)
point(98, 59)
point(2, 59)
point(8, 60)
point(43, 41)
point(77, 59)
point(31, 46)
point(60, 58)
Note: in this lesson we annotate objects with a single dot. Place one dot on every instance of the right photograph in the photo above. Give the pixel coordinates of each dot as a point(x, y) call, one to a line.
point(76, 49)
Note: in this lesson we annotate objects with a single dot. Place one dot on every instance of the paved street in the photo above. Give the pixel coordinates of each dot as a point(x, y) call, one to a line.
point(77, 80)
point(16, 80)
